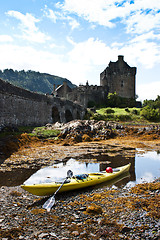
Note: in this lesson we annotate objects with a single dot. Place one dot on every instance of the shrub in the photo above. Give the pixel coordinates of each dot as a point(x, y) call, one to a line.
point(127, 110)
point(150, 114)
point(110, 117)
point(98, 117)
point(113, 100)
point(91, 104)
point(124, 117)
point(134, 111)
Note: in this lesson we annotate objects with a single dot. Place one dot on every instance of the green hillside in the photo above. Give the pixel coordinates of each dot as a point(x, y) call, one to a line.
point(33, 81)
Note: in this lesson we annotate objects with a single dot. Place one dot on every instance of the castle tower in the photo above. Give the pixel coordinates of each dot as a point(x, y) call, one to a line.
point(119, 77)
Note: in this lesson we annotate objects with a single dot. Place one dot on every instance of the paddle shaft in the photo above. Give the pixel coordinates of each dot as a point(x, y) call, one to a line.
point(51, 201)
point(60, 187)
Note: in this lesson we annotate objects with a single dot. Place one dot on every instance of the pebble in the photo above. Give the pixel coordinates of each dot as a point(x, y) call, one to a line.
point(61, 223)
point(42, 235)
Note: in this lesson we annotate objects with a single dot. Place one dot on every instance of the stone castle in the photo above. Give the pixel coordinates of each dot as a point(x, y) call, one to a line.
point(20, 107)
point(118, 77)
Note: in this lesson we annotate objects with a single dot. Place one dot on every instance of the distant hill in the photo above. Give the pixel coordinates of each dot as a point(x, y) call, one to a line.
point(33, 81)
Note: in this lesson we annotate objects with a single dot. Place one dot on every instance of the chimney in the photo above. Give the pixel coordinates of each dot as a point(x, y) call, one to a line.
point(65, 87)
point(120, 58)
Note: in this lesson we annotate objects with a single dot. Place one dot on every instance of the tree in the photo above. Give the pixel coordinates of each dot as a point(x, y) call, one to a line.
point(150, 114)
point(113, 100)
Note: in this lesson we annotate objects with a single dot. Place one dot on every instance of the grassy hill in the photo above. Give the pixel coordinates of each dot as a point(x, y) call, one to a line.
point(33, 81)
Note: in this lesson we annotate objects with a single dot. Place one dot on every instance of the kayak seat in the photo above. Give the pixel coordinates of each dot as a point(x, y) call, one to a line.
point(116, 170)
point(81, 176)
point(96, 174)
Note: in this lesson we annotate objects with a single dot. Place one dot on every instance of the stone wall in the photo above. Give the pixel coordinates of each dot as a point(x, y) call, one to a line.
point(85, 95)
point(20, 107)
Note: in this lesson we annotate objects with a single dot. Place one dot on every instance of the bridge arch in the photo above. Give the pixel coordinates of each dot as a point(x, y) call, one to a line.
point(55, 115)
point(68, 115)
point(78, 116)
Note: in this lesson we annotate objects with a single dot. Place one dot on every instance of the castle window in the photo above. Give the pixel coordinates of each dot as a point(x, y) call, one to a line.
point(122, 83)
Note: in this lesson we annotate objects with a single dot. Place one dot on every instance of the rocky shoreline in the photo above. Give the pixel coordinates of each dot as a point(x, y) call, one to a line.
point(90, 214)
point(94, 213)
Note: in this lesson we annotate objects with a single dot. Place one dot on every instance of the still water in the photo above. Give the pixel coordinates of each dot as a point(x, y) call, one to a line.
point(145, 167)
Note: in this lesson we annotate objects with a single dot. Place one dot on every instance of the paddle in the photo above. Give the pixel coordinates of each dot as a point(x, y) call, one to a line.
point(51, 201)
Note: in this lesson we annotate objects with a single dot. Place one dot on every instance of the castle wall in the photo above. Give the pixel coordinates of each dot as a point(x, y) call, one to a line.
point(85, 94)
point(22, 108)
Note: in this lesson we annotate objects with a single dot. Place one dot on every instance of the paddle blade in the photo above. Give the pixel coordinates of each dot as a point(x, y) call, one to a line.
point(49, 203)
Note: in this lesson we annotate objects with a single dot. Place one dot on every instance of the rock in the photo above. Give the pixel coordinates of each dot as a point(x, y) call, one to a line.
point(75, 233)
point(82, 208)
point(94, 209)
point(42, 235)
point(52, 234)
point(125, 229)
point(86, 138)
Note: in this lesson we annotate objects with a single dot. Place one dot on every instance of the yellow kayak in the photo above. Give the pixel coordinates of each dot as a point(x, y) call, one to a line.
point(91, 179)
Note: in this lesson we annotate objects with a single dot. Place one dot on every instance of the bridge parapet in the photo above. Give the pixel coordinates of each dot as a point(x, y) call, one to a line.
point(20, 107)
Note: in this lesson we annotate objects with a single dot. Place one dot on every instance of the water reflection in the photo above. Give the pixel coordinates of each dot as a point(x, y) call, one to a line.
point(147, 167)
point(144, 168)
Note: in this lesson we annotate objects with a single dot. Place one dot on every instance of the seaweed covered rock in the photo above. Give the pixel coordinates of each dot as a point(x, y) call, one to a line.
point(87, 130)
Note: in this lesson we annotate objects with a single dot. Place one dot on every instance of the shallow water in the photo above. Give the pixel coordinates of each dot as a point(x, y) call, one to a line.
point(145, 167)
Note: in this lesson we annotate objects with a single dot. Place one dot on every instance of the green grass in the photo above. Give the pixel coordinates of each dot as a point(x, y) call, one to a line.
point(14, 132)
point(42, 132)
point(118, 114)
point(118, 111)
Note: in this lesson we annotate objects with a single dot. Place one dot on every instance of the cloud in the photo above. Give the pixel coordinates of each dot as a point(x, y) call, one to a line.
point(49, 13)
point(146, 36)
point(73, 23)
point(27, 57)
point(28, 27)
point(6, 38)
point(55, 16)
point(92, 11)
point(84, 61)
point(141, 22)
point(148, 90)
point(139, 16)
point(139, 50)
point(90, 52)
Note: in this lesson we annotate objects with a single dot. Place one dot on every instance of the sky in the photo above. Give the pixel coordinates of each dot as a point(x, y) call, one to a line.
point(76, 39)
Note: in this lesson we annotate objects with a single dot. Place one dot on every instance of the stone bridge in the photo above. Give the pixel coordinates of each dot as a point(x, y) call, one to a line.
point(19, 107)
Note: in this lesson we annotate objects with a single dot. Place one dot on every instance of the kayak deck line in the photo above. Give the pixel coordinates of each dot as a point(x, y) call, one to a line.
point(91, 179)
